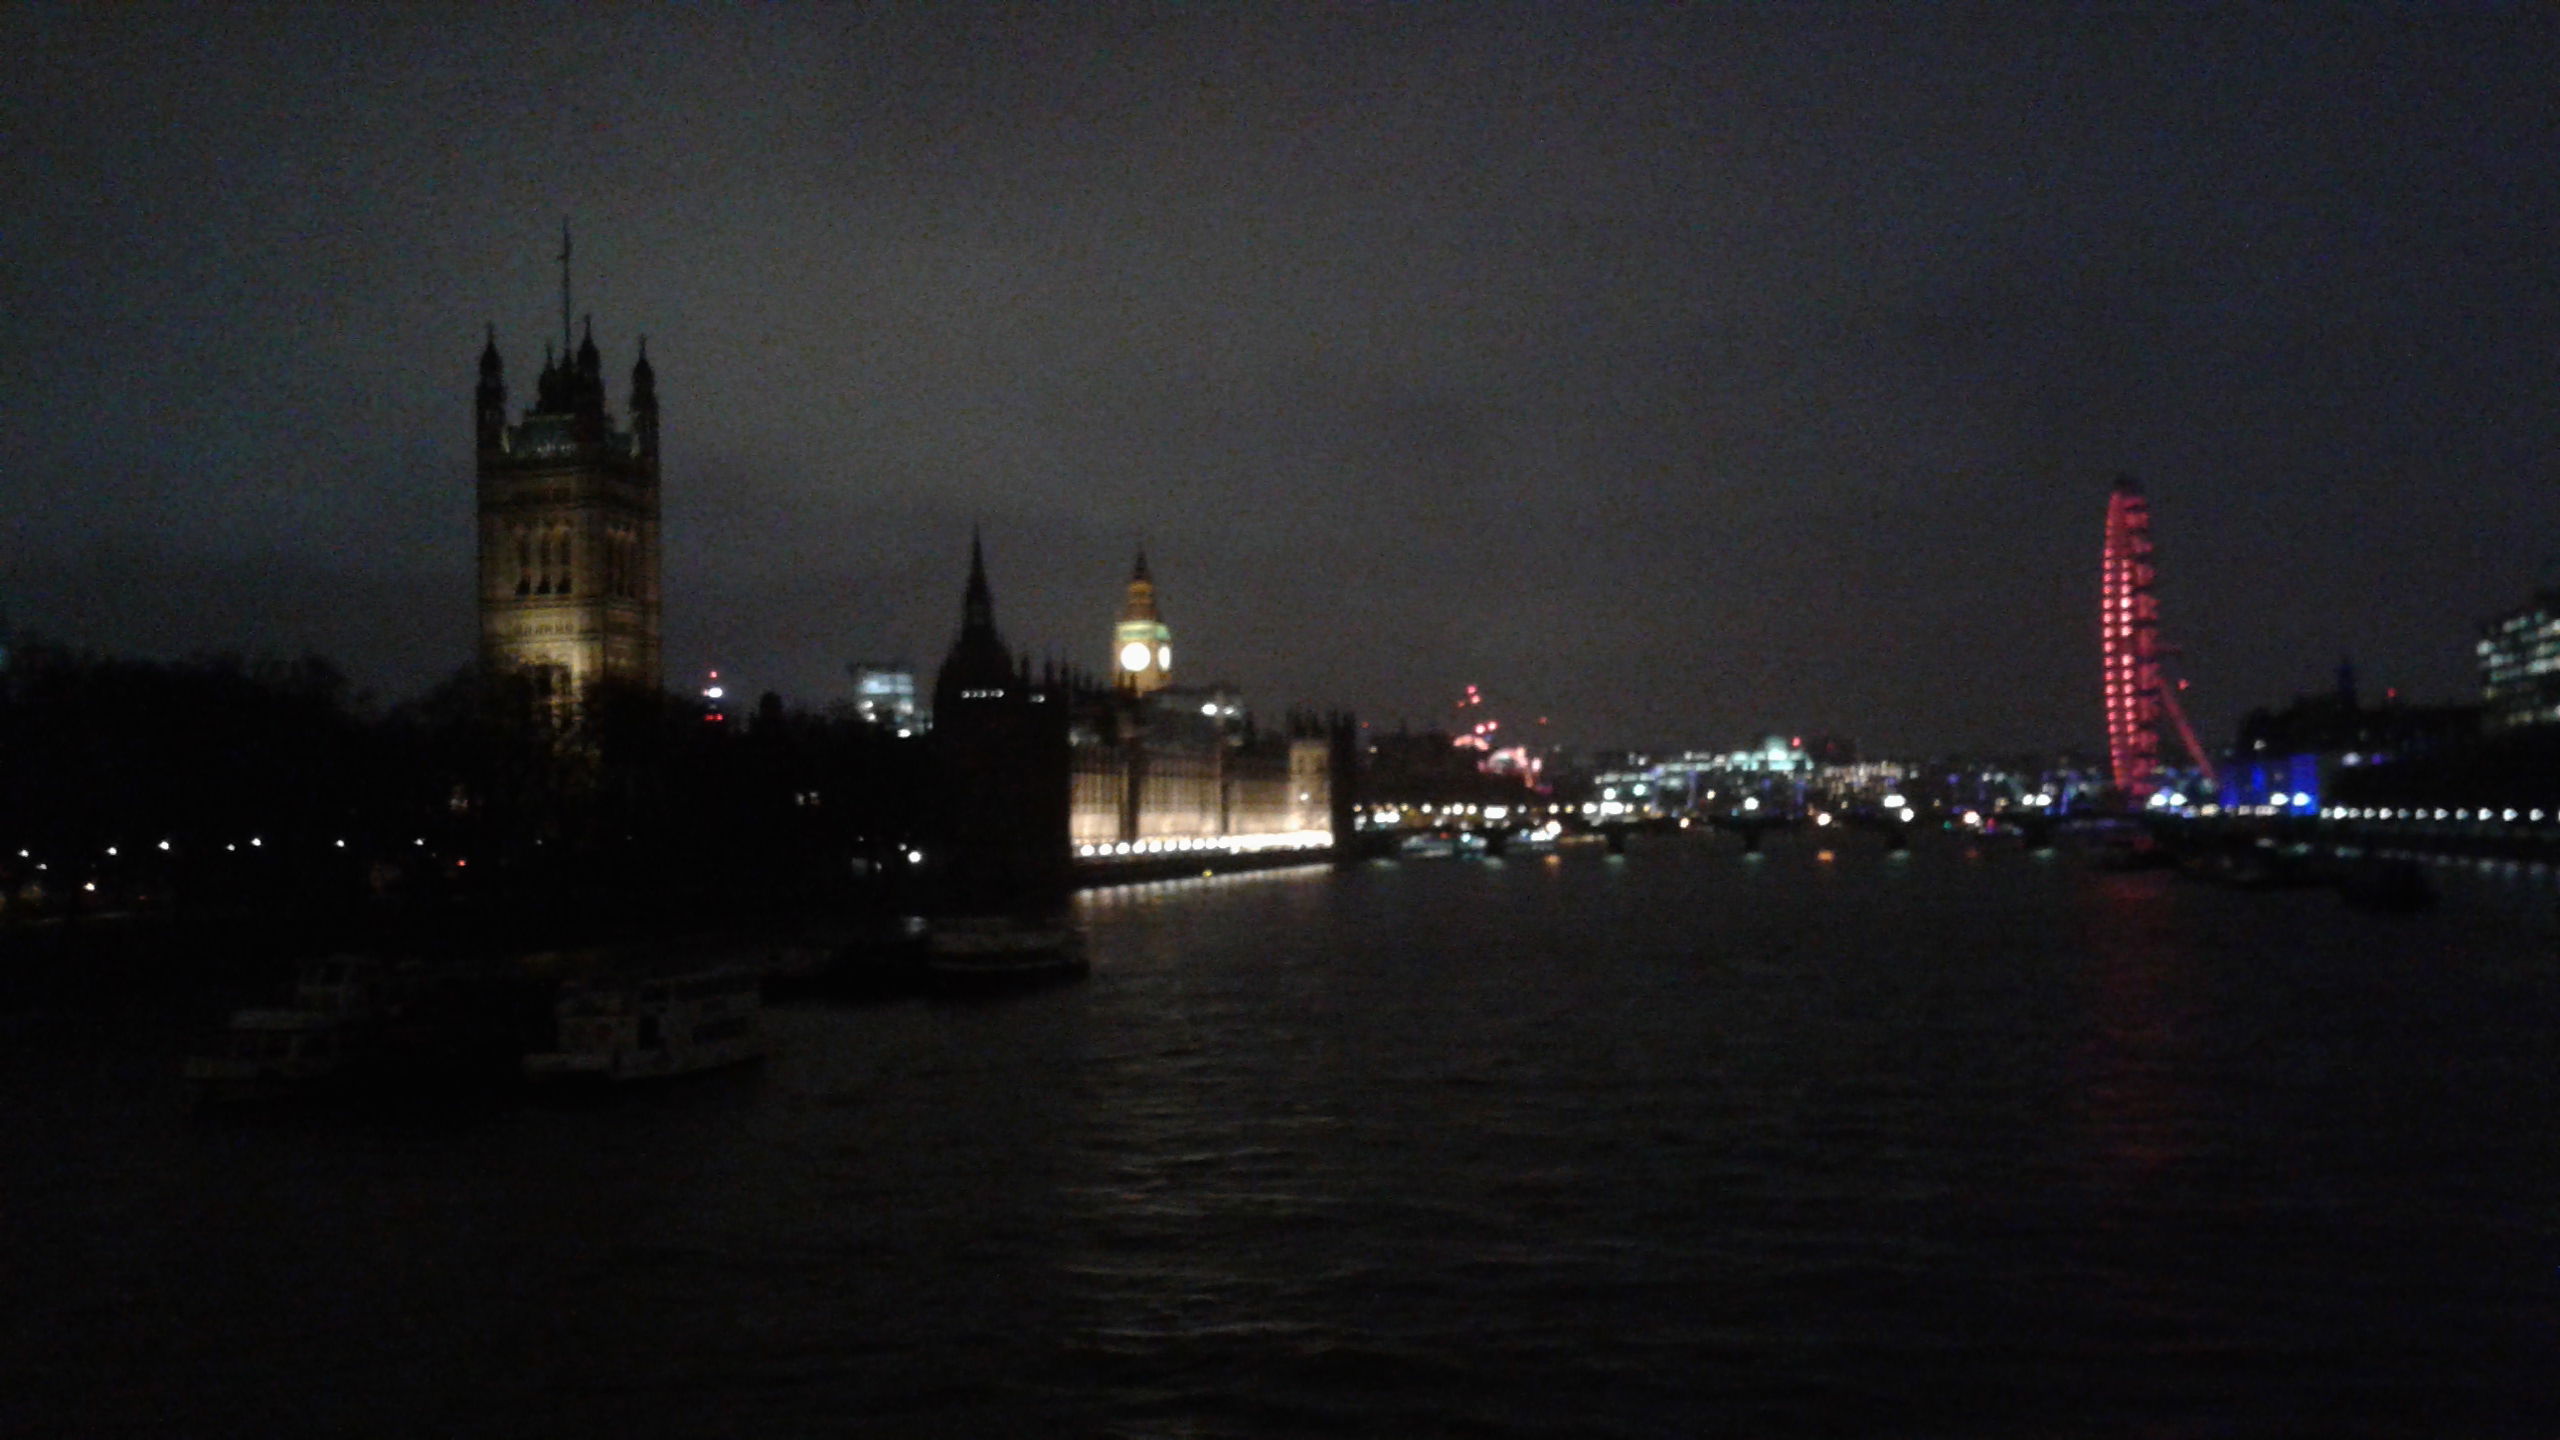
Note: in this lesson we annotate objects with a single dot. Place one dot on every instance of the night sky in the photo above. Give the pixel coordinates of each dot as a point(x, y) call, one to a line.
point(1682, 376)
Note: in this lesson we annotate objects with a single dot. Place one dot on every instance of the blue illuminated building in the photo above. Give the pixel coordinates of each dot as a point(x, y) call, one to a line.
point(2293, 758)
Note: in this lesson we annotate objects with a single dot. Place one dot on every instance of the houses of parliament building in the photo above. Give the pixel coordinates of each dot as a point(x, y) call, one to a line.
point(1053, 764)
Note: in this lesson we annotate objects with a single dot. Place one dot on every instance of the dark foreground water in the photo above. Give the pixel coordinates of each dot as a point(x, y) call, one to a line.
point(1679, 1144)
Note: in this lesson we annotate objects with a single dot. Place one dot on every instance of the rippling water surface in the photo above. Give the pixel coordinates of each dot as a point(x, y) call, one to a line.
point(1674, 1144)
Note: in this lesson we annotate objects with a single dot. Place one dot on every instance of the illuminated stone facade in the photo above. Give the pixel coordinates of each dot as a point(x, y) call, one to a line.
point(1155, 763)
point(1156, 768)
point(569, 528)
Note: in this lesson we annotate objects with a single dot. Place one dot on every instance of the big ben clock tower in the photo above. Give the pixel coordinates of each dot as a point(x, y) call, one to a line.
point(1141, 644)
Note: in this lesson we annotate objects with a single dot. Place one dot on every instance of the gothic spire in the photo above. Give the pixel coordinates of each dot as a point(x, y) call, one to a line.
point(978, 667)
point(978, 607)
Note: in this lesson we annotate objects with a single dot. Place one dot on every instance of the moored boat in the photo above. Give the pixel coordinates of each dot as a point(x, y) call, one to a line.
point(998, 949)
point(1535, 840)
point(2394, 885)
point(1443, 845)
point(276, 1051)
point(653, 1026)
point(267, 1054)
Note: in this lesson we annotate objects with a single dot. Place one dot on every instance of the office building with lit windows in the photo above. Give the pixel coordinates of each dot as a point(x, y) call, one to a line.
point(2519, 654)
point(884, 695)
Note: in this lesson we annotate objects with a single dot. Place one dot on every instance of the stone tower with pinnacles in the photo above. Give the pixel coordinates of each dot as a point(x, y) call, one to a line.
point(568, 505)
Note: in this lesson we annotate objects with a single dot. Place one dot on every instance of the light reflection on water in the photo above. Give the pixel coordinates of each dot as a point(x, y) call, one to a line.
point(1681, 1142)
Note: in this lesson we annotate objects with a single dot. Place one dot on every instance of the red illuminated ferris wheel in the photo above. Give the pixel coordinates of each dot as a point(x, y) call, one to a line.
point(2131, 651)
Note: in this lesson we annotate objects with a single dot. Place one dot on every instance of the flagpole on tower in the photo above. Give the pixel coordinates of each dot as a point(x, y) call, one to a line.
point(564, 286)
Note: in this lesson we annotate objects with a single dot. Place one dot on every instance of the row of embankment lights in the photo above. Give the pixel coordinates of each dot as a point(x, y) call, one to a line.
point(2304, 804)
point(2483, 815)
point(258, 842)
point(1291, 839)
point(116, 852)
point(1305, 838)
point(1203, 844)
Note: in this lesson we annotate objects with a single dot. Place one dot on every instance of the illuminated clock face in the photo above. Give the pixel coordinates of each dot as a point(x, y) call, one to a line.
point(1164, 657)
point(1133, 656)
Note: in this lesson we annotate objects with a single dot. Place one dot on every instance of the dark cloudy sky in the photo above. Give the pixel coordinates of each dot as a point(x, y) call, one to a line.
point(1680, 374)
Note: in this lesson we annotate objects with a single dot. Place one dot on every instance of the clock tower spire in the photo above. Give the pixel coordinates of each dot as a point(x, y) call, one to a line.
point(1141, 644)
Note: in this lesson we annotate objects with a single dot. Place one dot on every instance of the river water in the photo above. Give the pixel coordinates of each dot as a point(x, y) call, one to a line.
point(1678, 1143)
